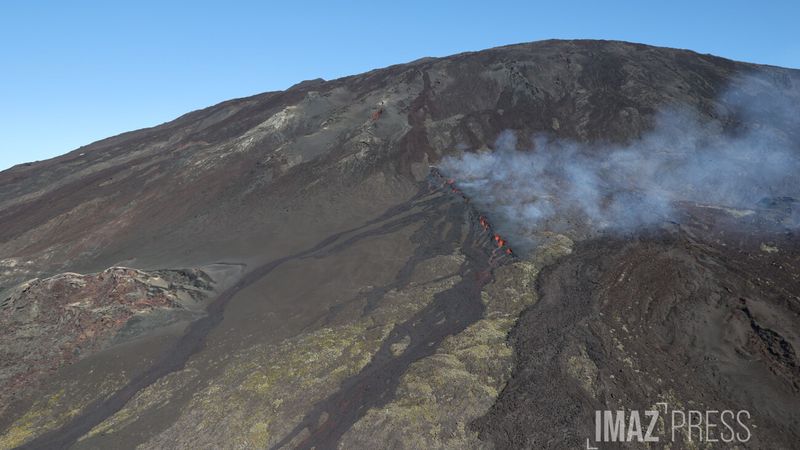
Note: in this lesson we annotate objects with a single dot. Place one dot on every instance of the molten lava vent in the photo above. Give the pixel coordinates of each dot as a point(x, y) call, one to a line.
point(499, 247)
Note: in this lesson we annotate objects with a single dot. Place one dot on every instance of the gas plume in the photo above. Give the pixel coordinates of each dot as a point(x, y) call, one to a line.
point(744, 153)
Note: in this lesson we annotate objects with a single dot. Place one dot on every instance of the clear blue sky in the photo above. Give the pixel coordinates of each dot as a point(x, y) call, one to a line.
point(72, 72)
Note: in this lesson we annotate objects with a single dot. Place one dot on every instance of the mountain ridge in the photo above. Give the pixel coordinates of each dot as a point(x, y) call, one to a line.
point(321, 198)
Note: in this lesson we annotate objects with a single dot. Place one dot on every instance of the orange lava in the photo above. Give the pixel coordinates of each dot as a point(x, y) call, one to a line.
point(501, 243)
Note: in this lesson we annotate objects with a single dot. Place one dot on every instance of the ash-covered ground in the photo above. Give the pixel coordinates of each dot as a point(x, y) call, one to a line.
point(287, 271)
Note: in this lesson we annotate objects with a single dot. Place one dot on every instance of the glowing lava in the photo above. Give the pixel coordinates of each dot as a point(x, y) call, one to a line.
point(501, 244)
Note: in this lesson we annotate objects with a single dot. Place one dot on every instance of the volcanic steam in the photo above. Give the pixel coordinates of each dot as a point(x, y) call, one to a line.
point(565, 186)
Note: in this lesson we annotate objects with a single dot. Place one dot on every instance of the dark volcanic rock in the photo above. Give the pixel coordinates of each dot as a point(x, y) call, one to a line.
point(225, 174)
point(316, 195)
point(699, 319)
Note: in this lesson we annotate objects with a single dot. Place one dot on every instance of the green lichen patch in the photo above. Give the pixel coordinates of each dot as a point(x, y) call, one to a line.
point(54, 409)
point(263, 391)
point(581, 367)
point(32, 422)
point(440, 395)
point(158, 394)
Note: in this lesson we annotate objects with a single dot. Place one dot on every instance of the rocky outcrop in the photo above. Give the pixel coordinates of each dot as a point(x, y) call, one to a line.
point(47, 323)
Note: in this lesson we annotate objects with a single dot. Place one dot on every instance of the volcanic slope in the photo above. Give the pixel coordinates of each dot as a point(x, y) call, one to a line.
point(353, 304)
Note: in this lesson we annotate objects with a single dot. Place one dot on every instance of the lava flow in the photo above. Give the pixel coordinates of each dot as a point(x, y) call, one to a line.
point(500, 248)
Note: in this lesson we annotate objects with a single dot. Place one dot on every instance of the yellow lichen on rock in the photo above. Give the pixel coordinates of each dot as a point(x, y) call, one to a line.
point(440, 395)
point(584, 370)
point(159, 393)
point(263, 391)
point(54, 409)
point(33, 422)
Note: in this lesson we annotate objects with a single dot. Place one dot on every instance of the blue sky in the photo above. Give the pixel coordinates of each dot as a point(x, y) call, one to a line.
point(72, 72)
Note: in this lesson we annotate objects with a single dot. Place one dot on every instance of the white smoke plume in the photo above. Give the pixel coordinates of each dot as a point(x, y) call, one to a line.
point(559, 185)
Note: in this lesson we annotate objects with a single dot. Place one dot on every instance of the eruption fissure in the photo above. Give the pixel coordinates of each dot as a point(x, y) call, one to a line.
point(490, 237)
point(555, 185)
point(450, 313)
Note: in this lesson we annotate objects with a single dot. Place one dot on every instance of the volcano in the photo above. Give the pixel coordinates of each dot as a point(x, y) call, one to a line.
point(298, 269)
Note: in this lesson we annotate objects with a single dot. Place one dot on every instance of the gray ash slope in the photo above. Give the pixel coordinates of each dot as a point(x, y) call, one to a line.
point(261, 179)
point(207, 175)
